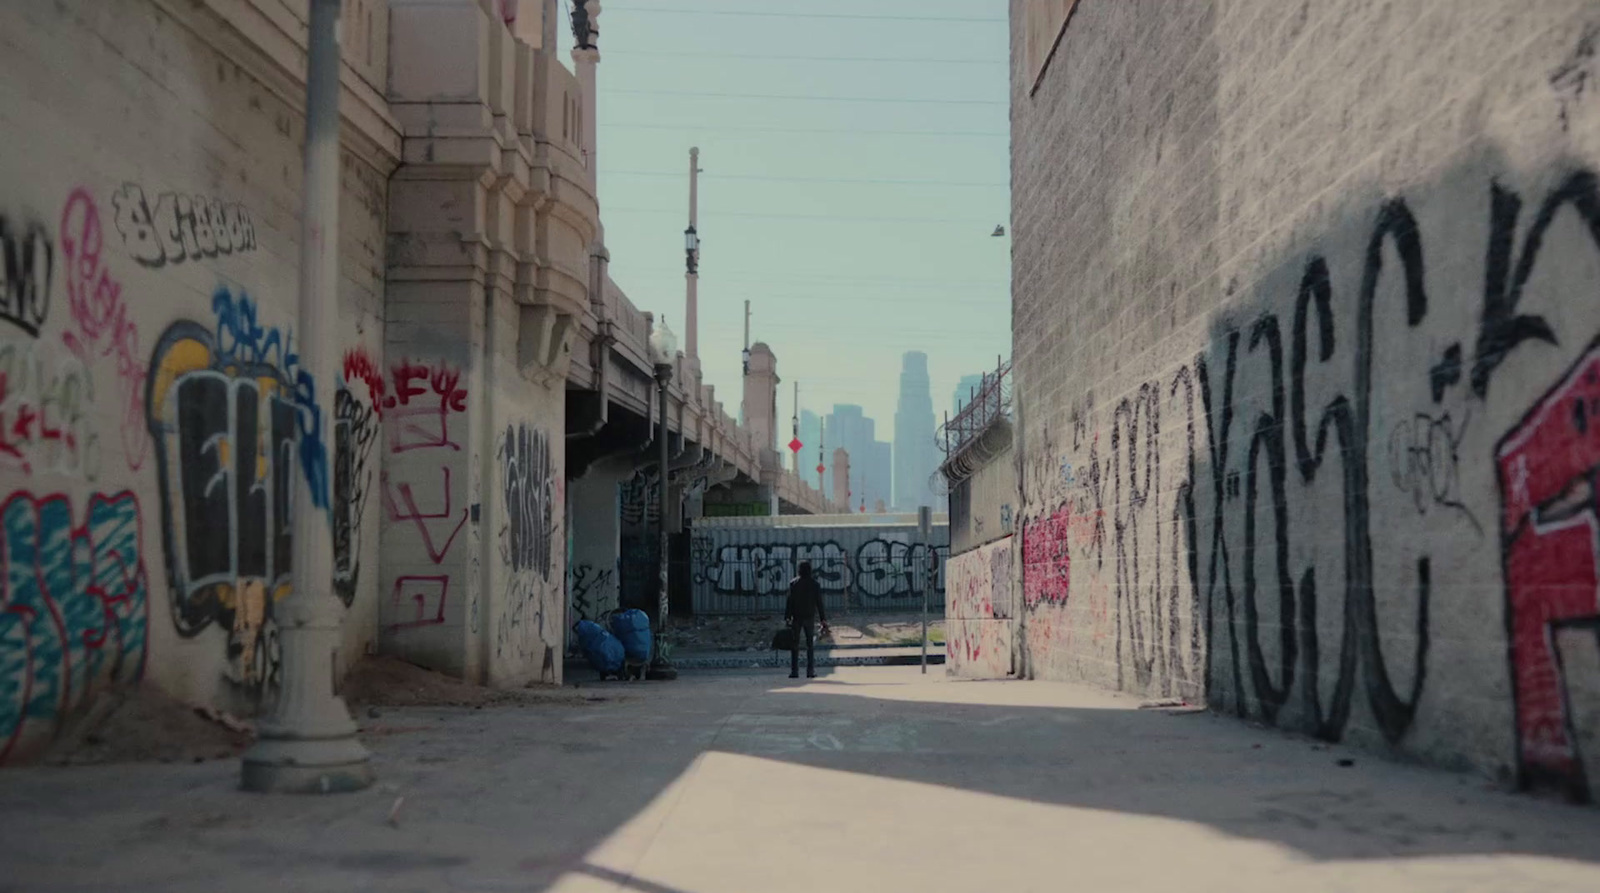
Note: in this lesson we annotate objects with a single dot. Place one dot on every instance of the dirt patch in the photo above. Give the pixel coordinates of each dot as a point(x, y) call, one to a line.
point(145, 726)
point(390, 682)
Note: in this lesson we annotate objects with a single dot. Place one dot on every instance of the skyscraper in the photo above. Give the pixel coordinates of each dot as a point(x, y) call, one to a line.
point(870, 469)
point(915, 454)
point(964, 392)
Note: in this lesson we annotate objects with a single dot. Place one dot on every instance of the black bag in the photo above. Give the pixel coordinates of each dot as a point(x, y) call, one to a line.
point(783, 639)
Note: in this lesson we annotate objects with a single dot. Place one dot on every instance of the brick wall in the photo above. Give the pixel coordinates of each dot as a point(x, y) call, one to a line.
point(1305, 343)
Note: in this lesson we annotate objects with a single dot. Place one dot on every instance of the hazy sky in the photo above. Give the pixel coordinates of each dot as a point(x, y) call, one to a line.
point(853, 244)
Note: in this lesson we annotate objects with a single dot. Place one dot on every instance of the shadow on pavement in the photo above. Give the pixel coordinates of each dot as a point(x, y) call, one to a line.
point(532, 798)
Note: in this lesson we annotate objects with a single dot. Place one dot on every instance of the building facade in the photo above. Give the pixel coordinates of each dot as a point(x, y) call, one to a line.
point(1304, 340)
point(154, 408)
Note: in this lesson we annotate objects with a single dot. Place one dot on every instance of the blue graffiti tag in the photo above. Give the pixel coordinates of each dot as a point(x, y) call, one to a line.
point(241, 338)
point(75, 603)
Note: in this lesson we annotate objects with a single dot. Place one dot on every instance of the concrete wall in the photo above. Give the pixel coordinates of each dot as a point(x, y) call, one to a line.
point(744, 567)
point(983, 504)
point(491, 217)
point(980, 614)
point(149, 224)
point(1305, 341)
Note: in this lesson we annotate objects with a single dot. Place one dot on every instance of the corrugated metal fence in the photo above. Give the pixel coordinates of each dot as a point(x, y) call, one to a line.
point(744, 565)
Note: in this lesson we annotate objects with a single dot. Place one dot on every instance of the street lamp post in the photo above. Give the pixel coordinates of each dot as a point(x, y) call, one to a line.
point(663, 350)
point(307, 743)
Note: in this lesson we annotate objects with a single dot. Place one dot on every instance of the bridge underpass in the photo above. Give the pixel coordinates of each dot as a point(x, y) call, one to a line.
point(715, 465)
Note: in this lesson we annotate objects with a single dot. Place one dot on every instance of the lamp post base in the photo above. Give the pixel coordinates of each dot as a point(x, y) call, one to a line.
point(306, 766)
point(660, 668)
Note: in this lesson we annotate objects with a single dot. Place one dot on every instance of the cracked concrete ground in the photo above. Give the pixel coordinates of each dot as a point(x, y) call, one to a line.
point(866, 779)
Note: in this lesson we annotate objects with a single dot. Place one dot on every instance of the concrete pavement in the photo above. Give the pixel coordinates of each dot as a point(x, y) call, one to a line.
point(866, 779)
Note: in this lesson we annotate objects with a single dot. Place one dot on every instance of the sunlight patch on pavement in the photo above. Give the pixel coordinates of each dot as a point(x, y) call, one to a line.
point(735, 824)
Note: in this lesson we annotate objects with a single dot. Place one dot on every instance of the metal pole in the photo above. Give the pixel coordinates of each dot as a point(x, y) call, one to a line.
point(307, 743)
point(659, 668)
point(925, 534)
point(691, 309)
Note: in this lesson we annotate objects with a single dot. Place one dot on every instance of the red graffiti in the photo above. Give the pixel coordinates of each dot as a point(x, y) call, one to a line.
point(423, 393)
point(358, 366)
point(1548, 466)
point(413, 514)
point(100, 316)
point(1047, 559)
point(427, 593)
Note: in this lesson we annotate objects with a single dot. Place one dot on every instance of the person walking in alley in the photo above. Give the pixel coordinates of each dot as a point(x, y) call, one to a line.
point(801, 613)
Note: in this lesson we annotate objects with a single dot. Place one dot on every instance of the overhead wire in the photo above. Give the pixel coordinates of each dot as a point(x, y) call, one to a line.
point(897, 100)
point(861, 181)
point(791, 58)
point(803, 15)
point(849, 131)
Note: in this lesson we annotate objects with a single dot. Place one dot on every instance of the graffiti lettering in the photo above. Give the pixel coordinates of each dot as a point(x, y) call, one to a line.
point(73, 609)
point(181, 227)
point(45, 420)
point(355, 430)
point(101, 326)
point(526, 471)
point(1425, 464)
point(27, 262)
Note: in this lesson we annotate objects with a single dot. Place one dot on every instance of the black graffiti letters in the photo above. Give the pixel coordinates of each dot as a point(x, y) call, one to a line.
point(355, 429)
point(27, 261)
point(527, 473)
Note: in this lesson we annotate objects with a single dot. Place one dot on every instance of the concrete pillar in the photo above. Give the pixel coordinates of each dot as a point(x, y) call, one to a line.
point(761, 396)
point(593, 583)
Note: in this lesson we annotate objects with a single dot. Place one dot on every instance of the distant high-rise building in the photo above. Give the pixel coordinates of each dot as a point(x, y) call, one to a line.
point(870, 469)
point(964, 393)
point(915, 454)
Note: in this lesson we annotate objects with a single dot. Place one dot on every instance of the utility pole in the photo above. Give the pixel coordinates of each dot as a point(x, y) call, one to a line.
point(743, 409)
point(795, 423)
point(822, 437)
point(925, 534)
point(691, 244)
point(308, 744)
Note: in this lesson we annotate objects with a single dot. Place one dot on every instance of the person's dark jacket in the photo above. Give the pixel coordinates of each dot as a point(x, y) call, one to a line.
point(805, 602)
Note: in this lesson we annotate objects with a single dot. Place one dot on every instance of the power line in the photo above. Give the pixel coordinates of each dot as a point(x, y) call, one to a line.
point(853, 131)
point(786, 58)
point(831, 218)
point(797, 15)
point(789, 277)
point(790, 96)
point(851, 180)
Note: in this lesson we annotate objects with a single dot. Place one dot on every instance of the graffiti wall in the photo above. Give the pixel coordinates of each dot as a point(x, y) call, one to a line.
point(980, 615)
point(154, 411)
point(746, 569)
point(1317, 446)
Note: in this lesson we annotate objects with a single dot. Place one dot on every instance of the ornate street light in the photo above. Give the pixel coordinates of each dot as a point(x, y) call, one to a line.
point(663, 353)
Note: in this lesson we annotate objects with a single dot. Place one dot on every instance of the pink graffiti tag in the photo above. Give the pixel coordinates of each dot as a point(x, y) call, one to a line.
point(100, 316)
point(1047, 559)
